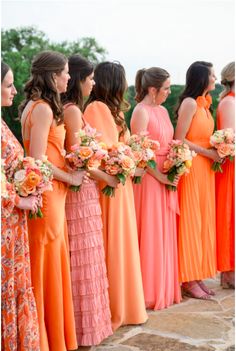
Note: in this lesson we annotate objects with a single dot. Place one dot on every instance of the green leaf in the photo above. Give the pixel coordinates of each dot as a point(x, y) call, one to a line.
point(152, 164)
point(121, 178)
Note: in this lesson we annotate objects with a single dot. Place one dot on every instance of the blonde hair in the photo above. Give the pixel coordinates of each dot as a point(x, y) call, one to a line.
point(227, 78)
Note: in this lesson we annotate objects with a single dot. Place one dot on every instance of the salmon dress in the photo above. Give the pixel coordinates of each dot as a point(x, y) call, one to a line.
point(196, 230)
point(225, 201)
point(88, 267)
point(19, 322)
point(119, 234)
point(156, 209)
point(49, 254)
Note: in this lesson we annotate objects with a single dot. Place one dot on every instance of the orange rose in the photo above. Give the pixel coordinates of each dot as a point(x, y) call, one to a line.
point(127, 163)
point(85, 152)
point(142, 164)
point(167, 165)
point(93, 162)
point(146, 144)
point(32, 180)
point(137, 155)
point(112, 169)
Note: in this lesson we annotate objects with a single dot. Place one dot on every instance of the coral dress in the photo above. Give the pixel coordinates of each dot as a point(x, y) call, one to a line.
point(120, 235)
point(196, 231)
point(19, 322)
point(156, 209)
point(88, 267)
point(49, 254)
point(225, 225)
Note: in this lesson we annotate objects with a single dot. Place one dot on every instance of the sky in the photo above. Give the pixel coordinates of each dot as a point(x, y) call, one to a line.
point(170, 34)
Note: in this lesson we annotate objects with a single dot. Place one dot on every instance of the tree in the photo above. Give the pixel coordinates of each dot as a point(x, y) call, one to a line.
point(20, 45)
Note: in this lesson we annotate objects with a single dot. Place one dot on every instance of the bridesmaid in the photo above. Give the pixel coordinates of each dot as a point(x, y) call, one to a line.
point(44, 134)
point(225, 184)
point(196, 232)
point(156, 207)
point(19, 322)
point(104, 112)
point(83, 213)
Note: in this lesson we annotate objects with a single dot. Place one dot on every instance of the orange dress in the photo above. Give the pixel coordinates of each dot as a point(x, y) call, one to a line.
point(119, 234)
point(196, 229)
point(225, 226)
point(49, 255)
point(19, 322)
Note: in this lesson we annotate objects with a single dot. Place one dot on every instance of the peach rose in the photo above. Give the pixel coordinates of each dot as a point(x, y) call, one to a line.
point(93, 162)
point(224, 150)
point(127, 163)
point(85, 152)
point(112, 169)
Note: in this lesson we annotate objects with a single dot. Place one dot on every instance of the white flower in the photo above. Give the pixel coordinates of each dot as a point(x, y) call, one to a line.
point(20, 175)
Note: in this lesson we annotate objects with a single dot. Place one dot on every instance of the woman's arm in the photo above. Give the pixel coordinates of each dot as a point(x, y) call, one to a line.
point(139, 120)
point(186, 112)
point(227, 114)
point(42, 119)
point(73, 122)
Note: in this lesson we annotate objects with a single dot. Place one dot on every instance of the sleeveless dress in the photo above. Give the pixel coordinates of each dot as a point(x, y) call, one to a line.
point(88, 268)
point(225, 201)
point(156, 209)
point(49, 253)
point(19, 322)
point(196, 230)
point(119, 234)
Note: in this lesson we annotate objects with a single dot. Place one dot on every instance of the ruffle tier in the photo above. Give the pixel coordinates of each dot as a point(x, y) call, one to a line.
point(88, 269)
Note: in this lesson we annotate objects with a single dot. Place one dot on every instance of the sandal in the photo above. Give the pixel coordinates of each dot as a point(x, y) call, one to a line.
point(227, 280)
point(205, 288)
point(192, 289)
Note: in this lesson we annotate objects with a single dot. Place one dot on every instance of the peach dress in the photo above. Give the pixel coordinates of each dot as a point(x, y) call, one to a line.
point(119, 234)
point(19, 322)
point(88, 267)
point(49, 254)
point(156, 209)
point(196, 231)
point(225, 201)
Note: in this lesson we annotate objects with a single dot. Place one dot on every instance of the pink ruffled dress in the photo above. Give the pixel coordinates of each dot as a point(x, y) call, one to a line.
point(88, 269)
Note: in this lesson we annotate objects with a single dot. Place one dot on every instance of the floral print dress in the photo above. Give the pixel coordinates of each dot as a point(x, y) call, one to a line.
point(19, 323)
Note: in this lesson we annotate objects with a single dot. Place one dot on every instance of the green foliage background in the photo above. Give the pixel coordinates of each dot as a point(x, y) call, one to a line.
point(20, 45)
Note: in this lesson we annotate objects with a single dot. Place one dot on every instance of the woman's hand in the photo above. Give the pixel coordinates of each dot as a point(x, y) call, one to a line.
point(164, 180)
point(29, 203)
point(77, 178)
point(99, 175)
point(139, 172)
point(213, 155)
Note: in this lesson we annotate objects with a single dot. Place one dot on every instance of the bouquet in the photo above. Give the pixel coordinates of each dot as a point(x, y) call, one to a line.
point(119, 163)
point(178, 162)
point(143, 152)
point(223, 141)
point(32, 177)
point(87, 153)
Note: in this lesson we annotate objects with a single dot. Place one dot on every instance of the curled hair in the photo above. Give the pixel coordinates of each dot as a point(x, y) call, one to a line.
point(110, 88)
point(41, 84)
point(197, 81)
point(227, 78)
point(151, 77)
point(79, 70)
point(4, 69)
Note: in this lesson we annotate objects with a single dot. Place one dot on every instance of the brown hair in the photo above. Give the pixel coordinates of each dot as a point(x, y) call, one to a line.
point(41, 84)
point(79, 70)
point(227, 78)
point(151, 77)
point(110, 88)
point(4, 69)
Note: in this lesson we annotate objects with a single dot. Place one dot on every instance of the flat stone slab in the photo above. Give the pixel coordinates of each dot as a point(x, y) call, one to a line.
point(147, 342)
point(195, 326)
